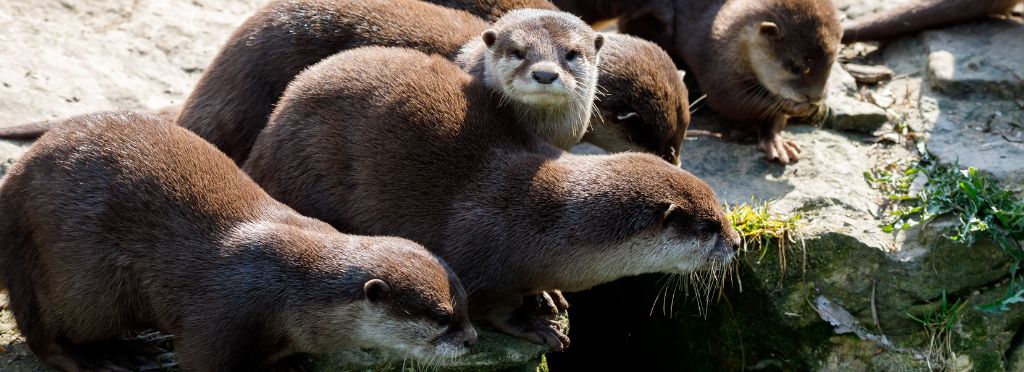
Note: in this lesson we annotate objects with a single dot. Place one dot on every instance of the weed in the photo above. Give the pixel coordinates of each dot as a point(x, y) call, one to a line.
point(940, 325)
point(762, 230)
point(979, 204)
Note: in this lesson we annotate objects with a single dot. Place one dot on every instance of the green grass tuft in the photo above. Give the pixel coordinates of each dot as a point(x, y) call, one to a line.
point(761, 230)
point(940, 325)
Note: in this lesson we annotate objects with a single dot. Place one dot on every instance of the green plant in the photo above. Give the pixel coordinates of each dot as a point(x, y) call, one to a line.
point(940, 326)
point(974, 199)
point(760, 229)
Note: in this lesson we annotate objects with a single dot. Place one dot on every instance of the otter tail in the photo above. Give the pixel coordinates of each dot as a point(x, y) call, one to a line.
point(32, 131)
point(918, 15)
point(29, 131)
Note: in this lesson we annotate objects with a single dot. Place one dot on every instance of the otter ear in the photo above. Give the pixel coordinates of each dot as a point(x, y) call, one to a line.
point(489, 36)
point(668, 212)
point(769, 29)
point(376, 289)
point(598, 43)
point(627, 116)
point(682, 75)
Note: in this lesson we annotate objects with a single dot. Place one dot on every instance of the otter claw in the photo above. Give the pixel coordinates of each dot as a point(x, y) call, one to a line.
point(779, 149)
point(541, 331)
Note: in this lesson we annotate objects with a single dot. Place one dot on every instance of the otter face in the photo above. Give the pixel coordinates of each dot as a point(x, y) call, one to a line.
point(411, 325)
point(647, 114)
point(792, 65)
point(542, 60)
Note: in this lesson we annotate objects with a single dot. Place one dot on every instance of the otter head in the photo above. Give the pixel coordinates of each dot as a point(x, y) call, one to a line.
point(542, 57)
point(412, 303)
point(647, 107)
point(791, 48)
point(644, 216)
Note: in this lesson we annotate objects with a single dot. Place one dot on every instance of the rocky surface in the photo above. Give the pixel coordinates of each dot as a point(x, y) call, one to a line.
point(839, 301)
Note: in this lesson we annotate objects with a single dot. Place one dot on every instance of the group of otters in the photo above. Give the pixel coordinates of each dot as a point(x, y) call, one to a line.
point(438, 137)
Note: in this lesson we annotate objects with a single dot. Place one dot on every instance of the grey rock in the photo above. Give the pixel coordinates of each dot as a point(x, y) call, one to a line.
point(846, 111)
point(982, 58)
point(866, 74)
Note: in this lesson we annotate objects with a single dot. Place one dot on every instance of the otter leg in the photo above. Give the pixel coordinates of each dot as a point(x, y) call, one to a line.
point(775, 147)
point(530, 323)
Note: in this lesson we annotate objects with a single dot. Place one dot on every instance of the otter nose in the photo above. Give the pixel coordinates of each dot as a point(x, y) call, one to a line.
point(471, 337)
point(545, 77)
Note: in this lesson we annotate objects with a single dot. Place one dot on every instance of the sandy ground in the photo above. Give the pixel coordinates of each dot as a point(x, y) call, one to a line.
point(65, 57)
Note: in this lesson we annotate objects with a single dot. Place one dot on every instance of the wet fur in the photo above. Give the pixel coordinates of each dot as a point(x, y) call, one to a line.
point(426, 154)
point(119, 222)
point(919, 15)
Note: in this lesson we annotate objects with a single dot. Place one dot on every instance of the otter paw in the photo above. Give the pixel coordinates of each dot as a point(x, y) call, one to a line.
point(559, 300)
point(537, 330)
point(776, 148)
point(797, 109)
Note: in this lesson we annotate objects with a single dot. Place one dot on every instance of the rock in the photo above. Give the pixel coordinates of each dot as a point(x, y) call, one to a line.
point(853, 115)
point(865, 74)
point(982, 58)
point(495, 351)
point(846, 111)
point(971, 105)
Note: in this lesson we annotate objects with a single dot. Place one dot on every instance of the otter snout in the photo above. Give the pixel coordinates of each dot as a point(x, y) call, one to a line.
point(545, 77)
point(728, 244)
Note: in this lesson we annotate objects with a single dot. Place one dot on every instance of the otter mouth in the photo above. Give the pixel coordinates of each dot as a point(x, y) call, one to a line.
point(716, 254)
point(544, 98)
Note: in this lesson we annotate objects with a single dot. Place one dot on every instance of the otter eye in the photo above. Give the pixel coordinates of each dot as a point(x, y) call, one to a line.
point(796, 70)
point(441, 319)
point(571, 55)
point(518, 54)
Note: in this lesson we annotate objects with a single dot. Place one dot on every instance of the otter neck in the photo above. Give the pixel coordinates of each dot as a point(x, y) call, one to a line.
point(562, 124)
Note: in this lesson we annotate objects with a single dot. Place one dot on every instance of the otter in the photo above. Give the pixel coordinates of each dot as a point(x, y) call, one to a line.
point(918, 15)
point(368, 142)
point(234, 98)
point(120, 221)
point(760, 62)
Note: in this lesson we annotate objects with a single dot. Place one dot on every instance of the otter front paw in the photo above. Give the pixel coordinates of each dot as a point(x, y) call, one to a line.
point(777, 148)
point(537, 329)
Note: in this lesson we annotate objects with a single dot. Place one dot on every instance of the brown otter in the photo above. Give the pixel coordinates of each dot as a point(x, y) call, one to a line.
point(758, 61)
point(918, 15)
point(119, 221)
point(394, 141)
point(235, 96)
